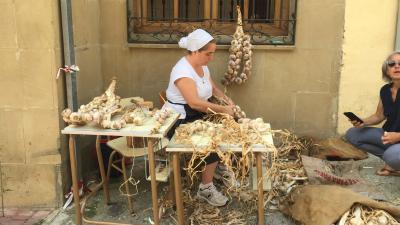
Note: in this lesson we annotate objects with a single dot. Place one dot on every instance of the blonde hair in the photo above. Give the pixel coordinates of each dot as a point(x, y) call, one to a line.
point(385, 66)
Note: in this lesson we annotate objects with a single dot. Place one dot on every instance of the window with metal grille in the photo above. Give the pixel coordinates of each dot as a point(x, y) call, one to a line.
point(165, 21)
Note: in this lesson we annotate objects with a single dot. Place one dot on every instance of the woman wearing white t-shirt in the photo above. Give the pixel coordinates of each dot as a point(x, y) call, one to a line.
point(189, 88)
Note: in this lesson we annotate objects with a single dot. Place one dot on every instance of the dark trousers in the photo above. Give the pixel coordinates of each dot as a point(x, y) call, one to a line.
point(369, 140)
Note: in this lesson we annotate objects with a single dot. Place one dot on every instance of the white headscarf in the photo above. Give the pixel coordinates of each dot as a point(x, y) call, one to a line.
point(195, 40)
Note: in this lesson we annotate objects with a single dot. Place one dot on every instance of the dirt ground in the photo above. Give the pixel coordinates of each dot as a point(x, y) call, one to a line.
point(117, 211)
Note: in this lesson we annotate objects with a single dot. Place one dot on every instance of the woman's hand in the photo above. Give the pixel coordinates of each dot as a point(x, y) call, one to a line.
point(228, 109)
point(390, 138)
point(357, 123)
point(228, 100)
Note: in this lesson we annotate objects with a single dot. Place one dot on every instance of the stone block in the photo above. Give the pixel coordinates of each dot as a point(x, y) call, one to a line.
point(12, 149)
point(31, 185)
point(314, 114)
point(122, 70)
point(279, 113)
point(37, 23)
point(322, 28)
point(93, 19)
point(306, 71)
point(81, 27)
point(108, 63)
point(8, 27)
point(90, 82)
point(11, 95)
point(162, 61)
point(113, 18)
point(41, 135)
point(38, 78)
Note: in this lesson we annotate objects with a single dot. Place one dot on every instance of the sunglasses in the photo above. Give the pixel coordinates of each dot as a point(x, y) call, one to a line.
point(392, 63)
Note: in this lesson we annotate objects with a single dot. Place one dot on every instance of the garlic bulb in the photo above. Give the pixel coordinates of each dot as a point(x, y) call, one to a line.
point(382, 220)
point(138, 121)
point(238, 112)
point(66, 114)
point(357, 220)
point(75, 117)
point(240, 56)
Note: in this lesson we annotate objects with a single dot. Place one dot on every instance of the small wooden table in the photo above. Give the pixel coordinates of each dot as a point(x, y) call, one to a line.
point(201, 141)
point(129, 130)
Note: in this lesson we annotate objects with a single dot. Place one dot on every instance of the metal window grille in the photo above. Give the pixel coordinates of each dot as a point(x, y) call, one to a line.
point(166, 21)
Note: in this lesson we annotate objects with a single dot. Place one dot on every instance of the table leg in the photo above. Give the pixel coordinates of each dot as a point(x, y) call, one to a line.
point(260, 189)
point(171, 192)
point(178, 187)
point(154, 197)
point(102, 171)
point(75, 188)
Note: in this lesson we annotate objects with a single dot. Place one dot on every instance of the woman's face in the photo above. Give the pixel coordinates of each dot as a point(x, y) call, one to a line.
point(393, 68)
point(205, 56)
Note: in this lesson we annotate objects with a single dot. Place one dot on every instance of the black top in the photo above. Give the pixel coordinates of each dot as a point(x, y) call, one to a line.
point(391, 109)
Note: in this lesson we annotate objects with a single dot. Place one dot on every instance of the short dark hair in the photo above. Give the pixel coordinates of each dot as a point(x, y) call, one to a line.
point(385, 66)
point(213, 41)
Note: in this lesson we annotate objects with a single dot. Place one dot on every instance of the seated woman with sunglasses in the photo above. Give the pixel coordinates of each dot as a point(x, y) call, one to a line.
point(383, 142)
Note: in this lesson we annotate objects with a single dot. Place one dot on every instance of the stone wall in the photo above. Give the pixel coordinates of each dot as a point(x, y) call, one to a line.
point(293, 88)
point(30, 98)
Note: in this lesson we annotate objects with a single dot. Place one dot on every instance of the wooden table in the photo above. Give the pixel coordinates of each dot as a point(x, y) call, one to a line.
point(129, 130)
point(202, 141)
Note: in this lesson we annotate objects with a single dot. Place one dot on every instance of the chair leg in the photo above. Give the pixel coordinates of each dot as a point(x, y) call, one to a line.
point(130, 206)
point(110, 162)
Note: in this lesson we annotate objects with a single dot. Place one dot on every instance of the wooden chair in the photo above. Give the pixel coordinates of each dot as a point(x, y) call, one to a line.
point(120, 146)
point(163, 97)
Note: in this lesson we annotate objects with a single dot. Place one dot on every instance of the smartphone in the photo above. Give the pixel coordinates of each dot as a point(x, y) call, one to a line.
point(353, 117)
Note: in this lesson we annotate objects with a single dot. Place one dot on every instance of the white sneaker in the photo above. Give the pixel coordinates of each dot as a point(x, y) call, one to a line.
point(227, 177)
point(212, 195)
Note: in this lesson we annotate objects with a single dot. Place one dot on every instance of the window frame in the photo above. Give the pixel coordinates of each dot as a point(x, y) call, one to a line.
point(279, 32)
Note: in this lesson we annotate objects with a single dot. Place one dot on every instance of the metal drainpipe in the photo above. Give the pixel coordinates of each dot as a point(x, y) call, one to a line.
point(69, 59)
point(397, 42)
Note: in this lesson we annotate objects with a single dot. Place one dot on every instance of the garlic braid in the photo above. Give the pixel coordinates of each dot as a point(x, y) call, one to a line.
point(239, 66)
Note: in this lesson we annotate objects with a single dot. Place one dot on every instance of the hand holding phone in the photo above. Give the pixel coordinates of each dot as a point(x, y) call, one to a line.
point(353, 117)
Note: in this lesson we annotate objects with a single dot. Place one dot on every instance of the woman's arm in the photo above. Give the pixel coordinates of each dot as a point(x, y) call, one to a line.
point(217, 92)
point(375, 118)
point(188, 89)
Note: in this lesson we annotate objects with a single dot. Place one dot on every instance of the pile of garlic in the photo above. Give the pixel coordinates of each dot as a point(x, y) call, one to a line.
point(197, 127)
point(246, 129)
point(99, 110)
point(160, 116)
point(255, 124)
point(107, 111)
point(239, 66)
point(254, 129)
point(362, 215)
